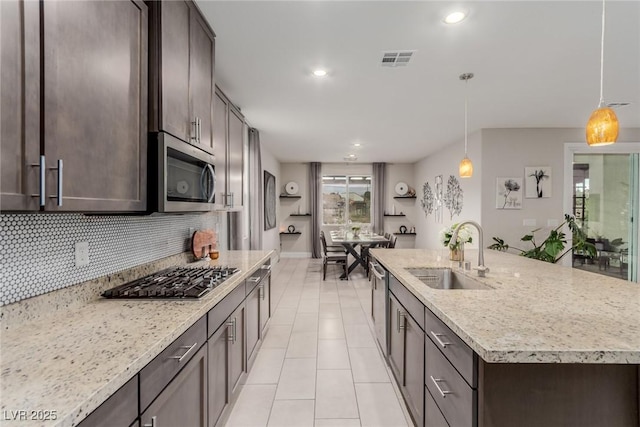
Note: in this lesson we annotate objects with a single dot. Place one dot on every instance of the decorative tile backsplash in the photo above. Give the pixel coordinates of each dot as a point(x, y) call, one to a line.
point(37, 251)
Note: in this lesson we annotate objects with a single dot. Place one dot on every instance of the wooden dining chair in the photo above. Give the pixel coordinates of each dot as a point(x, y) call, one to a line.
point(392, 241)
point(333, 257)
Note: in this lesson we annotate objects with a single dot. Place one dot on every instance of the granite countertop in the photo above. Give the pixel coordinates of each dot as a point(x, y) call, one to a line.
point(71, 361)
point(536, 312)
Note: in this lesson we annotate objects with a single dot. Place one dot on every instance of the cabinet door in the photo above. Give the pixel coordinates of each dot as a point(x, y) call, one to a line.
point(119, 410)
point(95, 104)
point(201, 84)
point(220, 111)
point(218, 365)
point(184, 401)
point(252, 304)
point(235, 159)
point(396, 318)
point(413, 388)
point(265, 303)
point(174, 27)
point(20, 104)
point(237, 350)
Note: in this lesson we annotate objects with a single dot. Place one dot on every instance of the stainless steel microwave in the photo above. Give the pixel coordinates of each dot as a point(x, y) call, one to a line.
point(185, 176)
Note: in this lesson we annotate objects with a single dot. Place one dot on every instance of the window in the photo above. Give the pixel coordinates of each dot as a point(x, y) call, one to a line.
point(346, 199)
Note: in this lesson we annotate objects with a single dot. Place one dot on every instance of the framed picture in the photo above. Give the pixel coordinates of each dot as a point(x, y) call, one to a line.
point(537, 182)
point(508, 193)
point(269, 201)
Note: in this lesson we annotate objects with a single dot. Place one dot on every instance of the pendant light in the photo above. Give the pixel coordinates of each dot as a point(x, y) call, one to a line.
point(466, 167)
point(602, 127)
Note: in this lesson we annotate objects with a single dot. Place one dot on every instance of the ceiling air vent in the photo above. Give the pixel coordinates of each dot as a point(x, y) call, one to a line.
point(399, 58)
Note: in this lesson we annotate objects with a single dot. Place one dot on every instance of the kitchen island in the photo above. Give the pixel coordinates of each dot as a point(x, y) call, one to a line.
point(60, 359)
point(547, 344)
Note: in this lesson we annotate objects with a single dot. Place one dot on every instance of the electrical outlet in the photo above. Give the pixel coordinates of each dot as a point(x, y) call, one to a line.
point(529, 222)
point(82, 254)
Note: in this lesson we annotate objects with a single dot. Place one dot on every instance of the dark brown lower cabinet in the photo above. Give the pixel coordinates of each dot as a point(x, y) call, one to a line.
point(237, 348)
point(265, 302)
point(432, 415)
point(184, 401)
point(252, 304)
point(218, 362)
point(406, 357)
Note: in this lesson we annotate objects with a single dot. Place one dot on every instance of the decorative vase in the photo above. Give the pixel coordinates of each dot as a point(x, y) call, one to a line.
point(456, 254)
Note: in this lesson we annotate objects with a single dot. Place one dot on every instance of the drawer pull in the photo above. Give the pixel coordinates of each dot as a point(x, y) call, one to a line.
point(266, 267)
point(444, 344)
point(400, 320)
point(261, 292)
point(189, 348)
point(442, 392)
point(254, 279)
point(153, 423)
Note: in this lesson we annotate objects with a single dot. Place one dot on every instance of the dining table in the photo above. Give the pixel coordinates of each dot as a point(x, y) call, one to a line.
point(351, 241)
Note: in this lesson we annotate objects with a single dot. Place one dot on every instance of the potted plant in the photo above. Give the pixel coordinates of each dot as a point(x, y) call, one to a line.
point(356, 230)
point(551, 249)
point(456, 249)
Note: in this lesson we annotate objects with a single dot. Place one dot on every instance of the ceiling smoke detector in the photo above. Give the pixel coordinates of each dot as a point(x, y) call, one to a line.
point(350, 158)
point(398, 58)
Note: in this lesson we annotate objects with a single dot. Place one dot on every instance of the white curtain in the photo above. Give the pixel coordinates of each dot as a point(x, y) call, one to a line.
point(377, 202)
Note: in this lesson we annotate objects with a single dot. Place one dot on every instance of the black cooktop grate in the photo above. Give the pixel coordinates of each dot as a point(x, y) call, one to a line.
point(175, 282)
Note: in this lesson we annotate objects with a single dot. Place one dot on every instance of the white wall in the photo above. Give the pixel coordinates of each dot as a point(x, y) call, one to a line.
point(506, 152)
point(394, 173)
point(271, 238)
point(297, 245)
point(445, 162)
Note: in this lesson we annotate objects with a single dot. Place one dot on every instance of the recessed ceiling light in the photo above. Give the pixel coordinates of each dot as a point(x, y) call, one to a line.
point(455, 17)
point(357, 144)
point(319, 73)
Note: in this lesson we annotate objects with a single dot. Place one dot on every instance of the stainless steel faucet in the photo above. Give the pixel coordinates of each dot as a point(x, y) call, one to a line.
point(454, 237)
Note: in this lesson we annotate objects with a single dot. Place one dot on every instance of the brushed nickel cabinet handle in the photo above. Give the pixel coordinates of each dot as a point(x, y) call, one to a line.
point(444, 344)
point(189, 348)
point(442, 392)
point(43, 174)
point(153, 422)
point(230, 326)
point(58, 197)
point(261, 292)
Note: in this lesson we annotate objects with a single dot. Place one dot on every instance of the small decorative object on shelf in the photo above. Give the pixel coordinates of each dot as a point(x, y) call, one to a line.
point(356, 231)
point(413, 230)
point(402, 188)
point(291, 228)
point(403, 229)
point(456, 249)
point(291, 188)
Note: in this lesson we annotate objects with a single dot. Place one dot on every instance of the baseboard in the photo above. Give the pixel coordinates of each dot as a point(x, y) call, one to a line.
point(295, 254)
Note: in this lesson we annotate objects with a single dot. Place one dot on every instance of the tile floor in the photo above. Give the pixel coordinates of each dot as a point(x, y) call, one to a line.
point(319, 364)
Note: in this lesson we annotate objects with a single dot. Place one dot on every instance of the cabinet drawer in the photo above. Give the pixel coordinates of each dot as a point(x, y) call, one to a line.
point(432, 415)
point(219, 314)
point(252, 281)
point(161, 370)
point(449, 390)
point(119, 410)
point(459, 354)
point(408, 300)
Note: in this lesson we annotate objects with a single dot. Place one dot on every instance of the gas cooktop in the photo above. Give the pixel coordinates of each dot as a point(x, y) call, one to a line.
point(175, 282)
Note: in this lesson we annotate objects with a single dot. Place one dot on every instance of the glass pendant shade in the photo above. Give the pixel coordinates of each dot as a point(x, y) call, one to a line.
point(466, 168)
point(602, 127)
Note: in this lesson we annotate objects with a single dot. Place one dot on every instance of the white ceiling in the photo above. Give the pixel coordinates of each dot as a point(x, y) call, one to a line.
point(536, 64)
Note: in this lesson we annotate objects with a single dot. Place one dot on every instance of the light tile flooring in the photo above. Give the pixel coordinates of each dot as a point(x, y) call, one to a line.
point(319, 364)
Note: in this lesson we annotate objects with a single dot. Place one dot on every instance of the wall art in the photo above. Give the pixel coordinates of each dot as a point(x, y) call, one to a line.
point(508, 193)
point(453, 198)
point(269, 201)
point(437, 199)
point(427, 199)
point(537, 183)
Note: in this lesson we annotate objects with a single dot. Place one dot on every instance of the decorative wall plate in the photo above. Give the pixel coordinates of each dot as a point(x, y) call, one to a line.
point(291, 188)
point(291, 228)
point(403, 229)
point(402, 188)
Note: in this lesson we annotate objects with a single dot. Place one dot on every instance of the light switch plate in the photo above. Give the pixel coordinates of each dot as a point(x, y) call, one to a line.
point(529, 222)
point(82, 254)
point(553, 223)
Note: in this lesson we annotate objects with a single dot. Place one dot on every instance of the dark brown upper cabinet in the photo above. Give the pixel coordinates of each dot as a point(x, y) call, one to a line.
point(76, 120)
point(182, 83)
point(228, 149)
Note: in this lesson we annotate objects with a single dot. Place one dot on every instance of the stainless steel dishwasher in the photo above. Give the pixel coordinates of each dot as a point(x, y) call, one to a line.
point(379, 298)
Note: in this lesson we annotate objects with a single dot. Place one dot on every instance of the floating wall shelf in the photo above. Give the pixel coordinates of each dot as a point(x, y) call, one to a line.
point(286, 196)
point(294, 214)
point(404, 197)
point(394, 215)
point(404, 234)
point(286, 232)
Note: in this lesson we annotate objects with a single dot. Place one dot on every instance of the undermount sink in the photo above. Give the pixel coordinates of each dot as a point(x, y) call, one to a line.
point(445, 278)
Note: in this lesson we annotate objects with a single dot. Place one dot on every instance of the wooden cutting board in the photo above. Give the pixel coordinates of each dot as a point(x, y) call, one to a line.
point(203, 242)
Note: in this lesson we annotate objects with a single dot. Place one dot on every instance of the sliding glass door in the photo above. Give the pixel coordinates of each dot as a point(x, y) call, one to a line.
point(605, 195)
